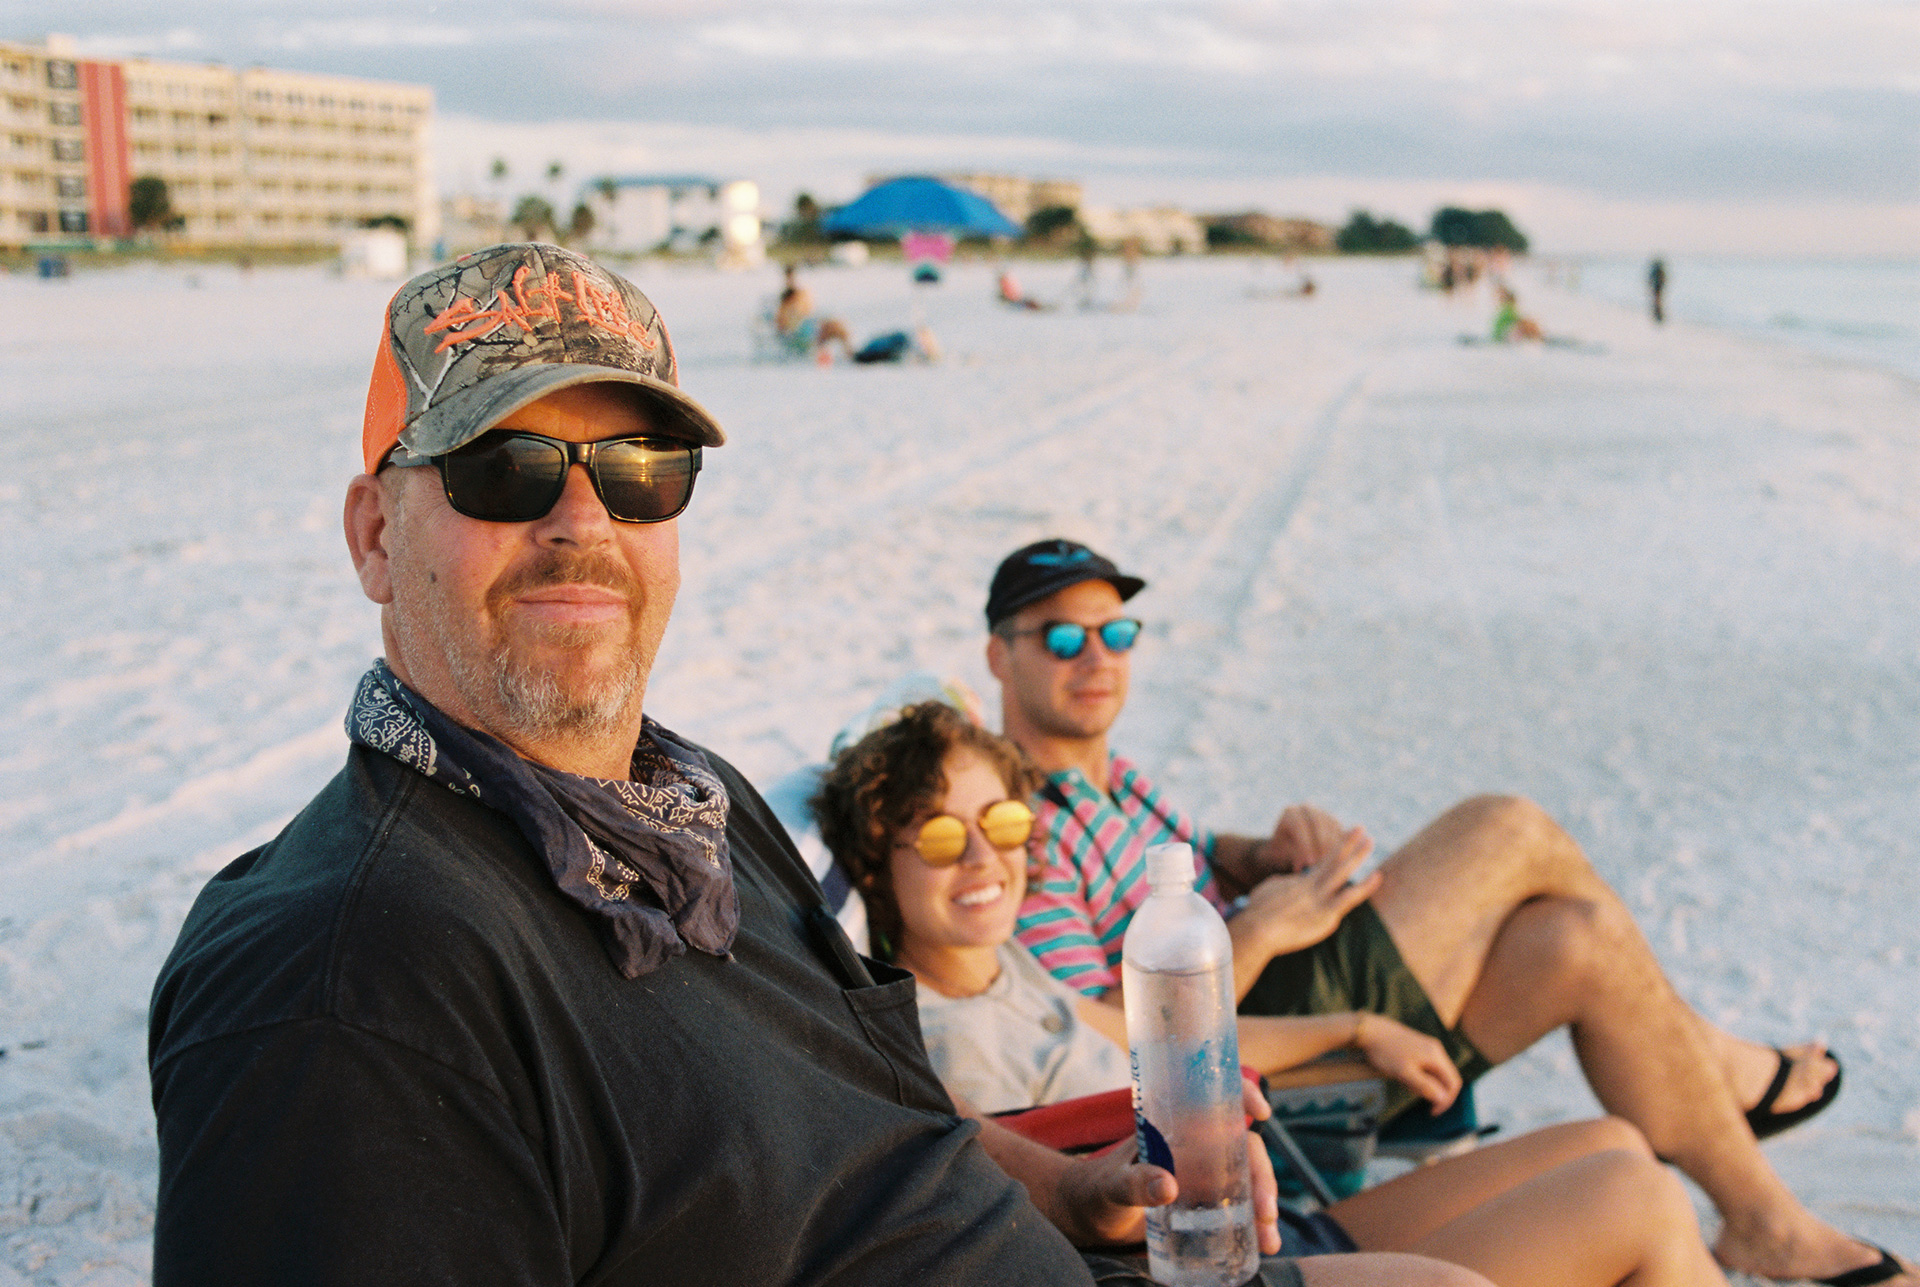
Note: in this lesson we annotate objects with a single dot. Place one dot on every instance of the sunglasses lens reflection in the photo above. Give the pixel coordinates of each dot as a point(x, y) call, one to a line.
point(505, 478)
point(1120, 635)
point(517, 477)
point(643, 482)
point(1065, 640)
point(1007, 824)
point(941, 840)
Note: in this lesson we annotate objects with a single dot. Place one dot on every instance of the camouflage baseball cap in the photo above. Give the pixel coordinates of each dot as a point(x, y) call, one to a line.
point(469, 343)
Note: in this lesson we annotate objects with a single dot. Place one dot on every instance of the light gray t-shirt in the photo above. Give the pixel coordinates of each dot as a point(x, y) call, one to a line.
point(1019, 1044)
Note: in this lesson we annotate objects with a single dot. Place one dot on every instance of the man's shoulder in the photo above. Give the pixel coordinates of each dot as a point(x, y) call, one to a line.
point(385, 879)
point(1070, 790)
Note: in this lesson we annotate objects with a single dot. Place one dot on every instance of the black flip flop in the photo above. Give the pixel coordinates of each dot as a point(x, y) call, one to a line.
point(1765, 1121)
point(1887, 1267)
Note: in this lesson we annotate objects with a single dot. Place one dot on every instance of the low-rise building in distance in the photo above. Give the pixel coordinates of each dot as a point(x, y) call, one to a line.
point(1271, 232)
point(253, 157)
point(468, 222)
point(1159, 230)
point(1015, 196)
point(638, 214)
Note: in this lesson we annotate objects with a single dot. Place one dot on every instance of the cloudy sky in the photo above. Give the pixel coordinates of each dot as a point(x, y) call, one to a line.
point(1610, 125)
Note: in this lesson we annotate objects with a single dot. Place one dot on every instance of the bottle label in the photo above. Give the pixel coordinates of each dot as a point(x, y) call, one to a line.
point(1153, 1145)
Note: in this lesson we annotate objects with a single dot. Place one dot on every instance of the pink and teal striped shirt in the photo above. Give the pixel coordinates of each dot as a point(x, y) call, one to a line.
point(1089, 848)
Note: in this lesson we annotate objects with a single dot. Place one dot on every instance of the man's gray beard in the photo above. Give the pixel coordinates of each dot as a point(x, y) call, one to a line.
point(536, 708)
point(531, 705)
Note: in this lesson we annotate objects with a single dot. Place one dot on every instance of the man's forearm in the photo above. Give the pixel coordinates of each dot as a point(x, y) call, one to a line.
point(1252, 950)
point(1045, 1174)
point(1035, 1166)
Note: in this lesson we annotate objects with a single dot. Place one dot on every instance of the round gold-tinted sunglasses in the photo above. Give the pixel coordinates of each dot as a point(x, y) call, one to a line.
point(943, 838)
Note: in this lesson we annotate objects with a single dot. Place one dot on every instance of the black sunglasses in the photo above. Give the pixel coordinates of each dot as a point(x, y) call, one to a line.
point(512, 476)
point(1068, 639)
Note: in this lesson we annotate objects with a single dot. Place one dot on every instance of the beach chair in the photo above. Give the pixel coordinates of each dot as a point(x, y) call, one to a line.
point(1096, 1123)
point(769, 343)
point(1320, 1138)
point(1335, 1110)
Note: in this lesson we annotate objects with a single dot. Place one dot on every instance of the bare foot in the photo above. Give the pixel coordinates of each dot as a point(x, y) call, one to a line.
point(1750, 1071)
point(1813, 1251)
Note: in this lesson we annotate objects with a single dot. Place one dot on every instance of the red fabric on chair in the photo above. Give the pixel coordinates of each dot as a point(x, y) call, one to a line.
point(1076, 1125)
point(1085, 1124)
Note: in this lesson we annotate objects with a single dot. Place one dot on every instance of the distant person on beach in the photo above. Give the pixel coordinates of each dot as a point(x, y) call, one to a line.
point(536, 991)
point(1130, 252)
point(1087, 250)
point(917, 345)
point(927, 817)
point(1657, 288)
point(1487, 930)
point(793, 318)
point(1011, 293)
point(1508, 324)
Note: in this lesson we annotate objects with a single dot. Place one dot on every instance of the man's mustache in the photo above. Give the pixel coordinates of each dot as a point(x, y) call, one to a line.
point(566, 567)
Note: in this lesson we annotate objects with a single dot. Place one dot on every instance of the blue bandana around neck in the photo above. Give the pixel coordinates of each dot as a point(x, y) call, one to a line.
point(647, 858)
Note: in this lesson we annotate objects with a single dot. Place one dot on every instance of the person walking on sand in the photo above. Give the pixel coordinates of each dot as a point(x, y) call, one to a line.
point(536, 991)
point(1657, 288)
point(1487, 930)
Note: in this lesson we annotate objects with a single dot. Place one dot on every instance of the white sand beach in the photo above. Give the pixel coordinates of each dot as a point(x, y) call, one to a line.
point(1667, 583)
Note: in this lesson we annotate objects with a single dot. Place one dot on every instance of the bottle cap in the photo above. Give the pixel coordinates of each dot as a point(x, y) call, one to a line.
point(1170, 866)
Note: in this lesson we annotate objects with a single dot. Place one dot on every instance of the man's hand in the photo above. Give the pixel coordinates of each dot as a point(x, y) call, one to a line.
point(1413, 1059)
point(1102, 1200)
point(1303, 837)
point(1287, 913)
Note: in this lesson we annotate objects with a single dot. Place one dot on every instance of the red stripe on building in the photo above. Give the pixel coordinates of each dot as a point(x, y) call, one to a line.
point(103, 102)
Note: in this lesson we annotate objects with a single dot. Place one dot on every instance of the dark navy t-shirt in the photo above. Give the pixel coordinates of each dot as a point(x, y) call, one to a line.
point(386, 1050)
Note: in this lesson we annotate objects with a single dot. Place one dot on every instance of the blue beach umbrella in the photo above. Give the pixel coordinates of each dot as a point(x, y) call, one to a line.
point(920, 205)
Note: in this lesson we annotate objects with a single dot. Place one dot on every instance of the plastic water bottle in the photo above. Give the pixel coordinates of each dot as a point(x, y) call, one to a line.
point(1177, 970)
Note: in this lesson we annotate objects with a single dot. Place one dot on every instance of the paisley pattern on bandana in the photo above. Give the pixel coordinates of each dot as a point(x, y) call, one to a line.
point(646, 857)
point(378, 720)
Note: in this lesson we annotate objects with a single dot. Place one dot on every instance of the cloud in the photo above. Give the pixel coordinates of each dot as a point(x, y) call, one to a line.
point(1662, 101)
point(367, 33)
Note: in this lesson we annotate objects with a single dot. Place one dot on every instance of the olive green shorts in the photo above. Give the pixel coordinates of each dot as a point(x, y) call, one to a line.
point(1357, 967)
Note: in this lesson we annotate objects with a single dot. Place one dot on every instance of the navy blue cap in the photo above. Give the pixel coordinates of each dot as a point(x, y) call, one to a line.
point(1033, 572)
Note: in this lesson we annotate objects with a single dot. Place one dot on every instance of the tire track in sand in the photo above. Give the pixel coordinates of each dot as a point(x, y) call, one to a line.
point(1230, 557)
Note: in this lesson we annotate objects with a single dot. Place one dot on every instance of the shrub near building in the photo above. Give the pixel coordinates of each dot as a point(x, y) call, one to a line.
point(1365, 235)
point(1484, 229)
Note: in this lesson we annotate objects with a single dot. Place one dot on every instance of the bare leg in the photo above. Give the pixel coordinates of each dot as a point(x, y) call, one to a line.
point(1512, 934)
point(1610, 1218)
point(832, 329)
point(1395, 1215)
point(1450, 890)
point(1370, 1270)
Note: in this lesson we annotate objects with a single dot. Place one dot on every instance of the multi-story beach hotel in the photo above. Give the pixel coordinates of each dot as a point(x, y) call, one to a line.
point(254, 157)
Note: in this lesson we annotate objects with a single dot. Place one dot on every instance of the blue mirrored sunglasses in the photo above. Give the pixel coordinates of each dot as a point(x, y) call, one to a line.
point(1068, 639)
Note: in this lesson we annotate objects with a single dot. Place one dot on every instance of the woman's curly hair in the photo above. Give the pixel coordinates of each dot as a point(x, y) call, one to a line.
point(879, 784)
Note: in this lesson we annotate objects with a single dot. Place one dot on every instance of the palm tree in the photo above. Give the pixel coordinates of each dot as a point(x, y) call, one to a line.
point(533, 215)
point(580, 226)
